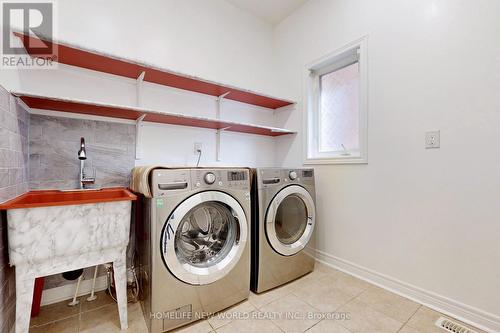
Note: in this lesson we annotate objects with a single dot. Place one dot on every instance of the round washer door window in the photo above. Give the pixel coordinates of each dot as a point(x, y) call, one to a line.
point(290, 220)
point(204, 237)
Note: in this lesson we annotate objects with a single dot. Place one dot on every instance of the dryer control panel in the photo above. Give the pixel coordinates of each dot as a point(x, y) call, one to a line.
point(273, 177)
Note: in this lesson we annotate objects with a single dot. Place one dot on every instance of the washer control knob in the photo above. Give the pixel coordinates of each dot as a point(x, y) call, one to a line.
point(292, 175)
point(209, 178)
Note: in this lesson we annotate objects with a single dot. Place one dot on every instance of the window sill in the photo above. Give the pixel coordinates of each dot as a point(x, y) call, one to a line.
point(336, 160)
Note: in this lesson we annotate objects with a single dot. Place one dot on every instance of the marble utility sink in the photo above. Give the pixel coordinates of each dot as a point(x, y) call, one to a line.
point(52, 231)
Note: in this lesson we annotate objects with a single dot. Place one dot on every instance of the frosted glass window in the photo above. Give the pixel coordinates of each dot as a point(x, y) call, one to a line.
point(339, 110)
point(337, 107)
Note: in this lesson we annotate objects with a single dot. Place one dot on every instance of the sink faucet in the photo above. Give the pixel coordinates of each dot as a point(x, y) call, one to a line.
point(82, 156)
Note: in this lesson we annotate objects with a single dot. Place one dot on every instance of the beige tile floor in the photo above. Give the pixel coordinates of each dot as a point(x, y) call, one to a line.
point(323, 292)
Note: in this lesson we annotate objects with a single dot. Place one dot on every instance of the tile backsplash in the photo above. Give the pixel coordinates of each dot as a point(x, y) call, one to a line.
point(53, 162)
point(14, 124)
point(54, 143)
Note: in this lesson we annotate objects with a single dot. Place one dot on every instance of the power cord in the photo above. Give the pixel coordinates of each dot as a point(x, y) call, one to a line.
point(199, 157)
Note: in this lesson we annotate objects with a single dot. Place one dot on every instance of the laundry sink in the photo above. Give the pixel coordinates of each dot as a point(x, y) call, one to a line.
point(45, 225)
point(51, 232)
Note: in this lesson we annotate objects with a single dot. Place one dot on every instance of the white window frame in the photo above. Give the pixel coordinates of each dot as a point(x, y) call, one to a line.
point(333, 61)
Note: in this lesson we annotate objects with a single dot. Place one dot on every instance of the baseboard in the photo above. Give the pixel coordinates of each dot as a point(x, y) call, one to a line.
point(62, 293)
point(468, 314)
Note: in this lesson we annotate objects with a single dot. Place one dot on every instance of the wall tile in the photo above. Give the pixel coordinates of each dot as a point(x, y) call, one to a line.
point(15, 142)
point(4, 100)
point(64, 129)
point(54, 184)
point(14, 127)
point(54, 146)
point(4, 178)
point(35, 131)
point(21, 188)
point(15, 176)
point(5, 158)
point(7, 193)
point(114, 134)
point(11, 123)
point(4, 138)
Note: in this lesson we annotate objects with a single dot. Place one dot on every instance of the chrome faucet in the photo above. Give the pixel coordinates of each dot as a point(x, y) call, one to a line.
point(82, 156)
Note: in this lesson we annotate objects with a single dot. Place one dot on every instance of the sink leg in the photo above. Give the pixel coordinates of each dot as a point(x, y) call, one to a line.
point(120, 274)
point(25, 284)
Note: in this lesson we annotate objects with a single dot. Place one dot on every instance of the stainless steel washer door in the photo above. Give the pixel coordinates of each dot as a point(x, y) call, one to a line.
point(290, 220)
point(204, 237)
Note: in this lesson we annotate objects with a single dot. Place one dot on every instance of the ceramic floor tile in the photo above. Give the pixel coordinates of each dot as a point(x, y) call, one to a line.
point(262, 299)
point(327, 326)
point(102, 299)
point(424, 321)
point(106, 319)
point(251, 325)
point(53, 312)
point(345, 283)
point(388, 303)
point(407, 329)
point(370, 309)
point(291, 306)
point(201, 326)
point(362, 318)
point(306, 280)
point(322, 297)
point(237, 312)
point(68, 325)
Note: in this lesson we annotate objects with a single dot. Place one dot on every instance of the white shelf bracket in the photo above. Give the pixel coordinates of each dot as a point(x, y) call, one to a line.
point(220, 99)
point(138, 132)
point(139, 82)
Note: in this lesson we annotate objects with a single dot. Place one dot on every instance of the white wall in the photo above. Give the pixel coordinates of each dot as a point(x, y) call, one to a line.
point(210, 39)
point(426, 217)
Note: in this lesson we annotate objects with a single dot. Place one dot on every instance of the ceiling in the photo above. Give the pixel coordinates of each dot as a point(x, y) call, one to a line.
point(272, 11)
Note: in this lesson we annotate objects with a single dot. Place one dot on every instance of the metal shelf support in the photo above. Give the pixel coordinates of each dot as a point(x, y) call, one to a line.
point(139, 83)
point(220, 99)
point(138, 122)
point(138, 132)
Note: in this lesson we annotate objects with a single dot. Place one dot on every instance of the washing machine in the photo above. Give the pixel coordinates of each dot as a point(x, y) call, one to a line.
point(194, 246)
point(283, 209)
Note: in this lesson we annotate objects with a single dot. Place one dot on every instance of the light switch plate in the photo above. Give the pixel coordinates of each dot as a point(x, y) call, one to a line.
point(432, 139)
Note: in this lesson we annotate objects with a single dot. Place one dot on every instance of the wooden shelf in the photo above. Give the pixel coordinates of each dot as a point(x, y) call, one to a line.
point(93, 60)
point(134, 113)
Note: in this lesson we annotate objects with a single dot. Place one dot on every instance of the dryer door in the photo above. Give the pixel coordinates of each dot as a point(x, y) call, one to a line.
point(204, 237)
point(290, 220)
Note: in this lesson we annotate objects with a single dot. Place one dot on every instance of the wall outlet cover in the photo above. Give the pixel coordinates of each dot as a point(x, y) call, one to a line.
point(197, 147)
point(432, 139)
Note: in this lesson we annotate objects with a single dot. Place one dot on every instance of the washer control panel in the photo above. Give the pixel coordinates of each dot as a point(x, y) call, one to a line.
point(166, 181)
point(220, 178)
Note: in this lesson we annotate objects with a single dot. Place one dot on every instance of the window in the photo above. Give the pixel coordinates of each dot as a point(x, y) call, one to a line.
point(337, 109)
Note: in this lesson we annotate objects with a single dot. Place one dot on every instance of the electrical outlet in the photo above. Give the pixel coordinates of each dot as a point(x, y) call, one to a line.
point(197, 147)
point(432, 139)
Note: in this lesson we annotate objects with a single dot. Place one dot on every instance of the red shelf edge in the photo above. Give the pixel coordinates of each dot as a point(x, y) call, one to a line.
point(133, 113)
point(88, 59)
